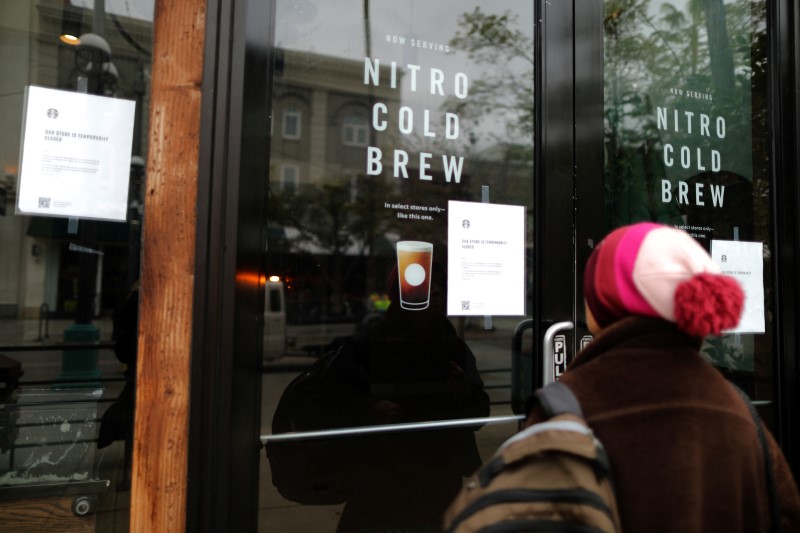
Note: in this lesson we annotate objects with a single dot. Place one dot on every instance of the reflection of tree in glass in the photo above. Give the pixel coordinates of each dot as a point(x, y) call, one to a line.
point(722, 352)
point(370, 223)
point(342, 217)
point(502, 91)
point(706, 43)
point(503, 95)
point(652, 47)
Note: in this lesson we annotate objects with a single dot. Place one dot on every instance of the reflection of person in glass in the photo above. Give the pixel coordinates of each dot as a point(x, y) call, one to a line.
point(409, 367)
point(116, 423)
point(419, 370)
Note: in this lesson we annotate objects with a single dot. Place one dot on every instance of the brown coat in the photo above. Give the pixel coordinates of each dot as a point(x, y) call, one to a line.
point(684, 452)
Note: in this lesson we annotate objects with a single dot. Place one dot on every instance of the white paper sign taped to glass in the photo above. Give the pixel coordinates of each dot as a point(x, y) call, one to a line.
point(486, 259)
point(76, 155)
point(744, 261)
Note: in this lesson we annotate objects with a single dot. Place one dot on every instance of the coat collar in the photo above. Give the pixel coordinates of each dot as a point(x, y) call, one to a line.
point(636, 331)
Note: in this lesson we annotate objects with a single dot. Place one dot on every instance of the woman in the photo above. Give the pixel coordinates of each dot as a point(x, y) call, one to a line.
point(684, 451)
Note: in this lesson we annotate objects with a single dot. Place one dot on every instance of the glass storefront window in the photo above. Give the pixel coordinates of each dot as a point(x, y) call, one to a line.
point(68, 281)
point(383, 385)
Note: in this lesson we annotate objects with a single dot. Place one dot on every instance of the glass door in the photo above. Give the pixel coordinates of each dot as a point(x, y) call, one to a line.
point(399, 256)
point(686, 143)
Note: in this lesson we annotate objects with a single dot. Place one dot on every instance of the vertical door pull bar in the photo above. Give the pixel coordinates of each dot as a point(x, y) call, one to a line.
point(548, 351)
point(521, 373)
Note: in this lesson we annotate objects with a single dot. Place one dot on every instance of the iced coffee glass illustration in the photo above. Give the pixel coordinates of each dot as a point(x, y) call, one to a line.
point(414, 270)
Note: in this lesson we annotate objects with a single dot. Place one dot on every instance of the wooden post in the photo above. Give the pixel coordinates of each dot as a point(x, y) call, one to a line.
point(160, 457)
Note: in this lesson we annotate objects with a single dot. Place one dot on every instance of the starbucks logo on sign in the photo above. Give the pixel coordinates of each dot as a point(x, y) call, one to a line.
point(52, 113)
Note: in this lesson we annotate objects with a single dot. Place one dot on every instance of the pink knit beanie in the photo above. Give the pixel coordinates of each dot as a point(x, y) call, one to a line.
point(654, 270)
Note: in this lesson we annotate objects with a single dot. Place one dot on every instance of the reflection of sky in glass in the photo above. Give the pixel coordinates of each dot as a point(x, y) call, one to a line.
point(657, 8)
point(137, 9)
point(338, 29)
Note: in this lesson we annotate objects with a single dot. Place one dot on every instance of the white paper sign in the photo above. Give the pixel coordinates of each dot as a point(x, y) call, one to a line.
point(76, 155)
point(744, 261)
point(486, 259)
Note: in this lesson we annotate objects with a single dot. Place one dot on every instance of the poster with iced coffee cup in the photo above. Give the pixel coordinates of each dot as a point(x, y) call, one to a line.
point(414, 261)
point(486, 259)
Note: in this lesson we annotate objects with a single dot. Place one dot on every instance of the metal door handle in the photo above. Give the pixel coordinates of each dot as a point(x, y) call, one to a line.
point(392, 428)
point(518, 369)
point(548, 351)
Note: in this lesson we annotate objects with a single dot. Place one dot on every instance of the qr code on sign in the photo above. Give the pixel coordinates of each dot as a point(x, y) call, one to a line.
point(44, 202)
point(465, 305)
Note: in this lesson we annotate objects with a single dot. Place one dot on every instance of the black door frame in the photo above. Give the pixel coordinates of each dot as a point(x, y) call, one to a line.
point(784, 108)
point(568, 157)
point(553, 269)
point(225, 424)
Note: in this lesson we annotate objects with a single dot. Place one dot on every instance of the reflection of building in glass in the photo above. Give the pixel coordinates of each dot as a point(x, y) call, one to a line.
point(325, 210)
point(321, 118)
point(38, 268)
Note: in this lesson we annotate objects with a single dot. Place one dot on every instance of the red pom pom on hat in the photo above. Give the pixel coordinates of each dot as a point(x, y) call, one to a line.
point(708, 303)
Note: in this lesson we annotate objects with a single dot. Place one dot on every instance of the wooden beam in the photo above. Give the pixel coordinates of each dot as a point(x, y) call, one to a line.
point(160, 457)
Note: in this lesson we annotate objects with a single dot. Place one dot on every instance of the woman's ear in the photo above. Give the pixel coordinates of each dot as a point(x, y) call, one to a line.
point(594, 328)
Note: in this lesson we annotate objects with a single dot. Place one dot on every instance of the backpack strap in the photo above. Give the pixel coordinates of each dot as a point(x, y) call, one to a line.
point(772, 492)
point(557, 399)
